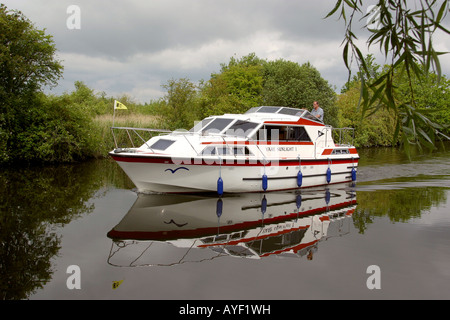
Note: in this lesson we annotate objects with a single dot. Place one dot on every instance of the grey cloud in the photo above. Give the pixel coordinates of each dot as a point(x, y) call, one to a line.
point(135, 45)
point(118, 29)
point(125, 44)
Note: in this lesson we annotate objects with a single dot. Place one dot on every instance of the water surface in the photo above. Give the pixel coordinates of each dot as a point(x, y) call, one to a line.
point(314, 244)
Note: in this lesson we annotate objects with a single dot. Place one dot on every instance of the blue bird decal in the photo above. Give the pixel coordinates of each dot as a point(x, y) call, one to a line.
point(177, 224)
point(173, 171)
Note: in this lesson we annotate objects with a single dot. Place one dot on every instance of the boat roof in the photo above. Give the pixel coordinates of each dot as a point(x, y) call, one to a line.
point(277, 110)
point(274, 113)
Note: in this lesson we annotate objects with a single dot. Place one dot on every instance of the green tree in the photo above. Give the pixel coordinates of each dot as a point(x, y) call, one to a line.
point(404, 31)
point(180, 105)
point(27, 63)
point(235, 89)
point(373, 71)
point(94, 104)
point(431, 103)
point(430, 96)
point(289, 84)
point(250, 81)
point(55, 130)
point(376, 129)
point(27, 55)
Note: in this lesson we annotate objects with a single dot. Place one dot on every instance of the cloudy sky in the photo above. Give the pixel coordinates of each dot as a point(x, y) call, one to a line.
point(133, 47)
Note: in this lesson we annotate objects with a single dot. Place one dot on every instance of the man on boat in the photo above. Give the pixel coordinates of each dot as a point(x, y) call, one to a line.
point(317, 111)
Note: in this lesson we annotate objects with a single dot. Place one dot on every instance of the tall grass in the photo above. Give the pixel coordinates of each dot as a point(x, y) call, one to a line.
point(103, 124)
point(129, 120)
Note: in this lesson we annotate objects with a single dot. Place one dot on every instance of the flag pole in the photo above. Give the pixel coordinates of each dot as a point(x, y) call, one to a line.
point(114, 113)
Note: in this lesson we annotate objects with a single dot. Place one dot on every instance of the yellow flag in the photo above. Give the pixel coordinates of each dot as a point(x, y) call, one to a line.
point(116, 284)
point(119, 105)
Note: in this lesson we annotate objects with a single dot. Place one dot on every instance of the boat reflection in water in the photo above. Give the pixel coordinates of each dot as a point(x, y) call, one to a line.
point(164, 230)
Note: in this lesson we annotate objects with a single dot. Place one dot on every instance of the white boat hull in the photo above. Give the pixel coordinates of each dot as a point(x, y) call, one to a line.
point(166, 175)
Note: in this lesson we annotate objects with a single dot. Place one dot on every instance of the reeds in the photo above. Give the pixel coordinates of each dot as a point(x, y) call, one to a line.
point(103, 123)
point(128, 120)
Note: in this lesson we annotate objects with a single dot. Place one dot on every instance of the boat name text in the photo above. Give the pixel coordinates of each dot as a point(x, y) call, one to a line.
point(272, 149)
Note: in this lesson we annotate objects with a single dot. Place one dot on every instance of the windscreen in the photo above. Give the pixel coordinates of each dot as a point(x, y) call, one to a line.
point(217, 125)
point(199, 125)
point(241, 128)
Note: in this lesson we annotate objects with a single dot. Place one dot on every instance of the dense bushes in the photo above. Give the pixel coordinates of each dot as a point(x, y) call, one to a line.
point(429, 114)
point(375, 130)
point(53, 129)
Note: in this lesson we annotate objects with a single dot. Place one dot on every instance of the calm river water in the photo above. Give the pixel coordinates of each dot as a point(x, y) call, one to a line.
point(81, 232)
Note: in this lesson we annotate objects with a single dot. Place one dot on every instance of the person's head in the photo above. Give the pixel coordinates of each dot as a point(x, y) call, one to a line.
point(315, 104)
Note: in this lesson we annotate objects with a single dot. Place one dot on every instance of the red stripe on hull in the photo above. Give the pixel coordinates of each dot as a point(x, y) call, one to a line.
point(263, 143)
point(229, 162)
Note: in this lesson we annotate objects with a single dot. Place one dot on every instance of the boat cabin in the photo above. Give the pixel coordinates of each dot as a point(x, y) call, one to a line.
point(261, 123)
point(262, 132)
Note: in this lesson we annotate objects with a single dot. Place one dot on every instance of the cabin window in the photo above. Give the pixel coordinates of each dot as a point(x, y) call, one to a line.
point(224, 150)
point(283, 133)
point(299, 134)
point(162, 144)
point(241, 128)
point(212, 151)
point(241, 151)
point(209, 151)
point(340, 151)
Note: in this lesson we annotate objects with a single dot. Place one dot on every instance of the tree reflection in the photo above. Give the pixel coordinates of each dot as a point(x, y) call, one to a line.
point(399, 205)
point(35, 201)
